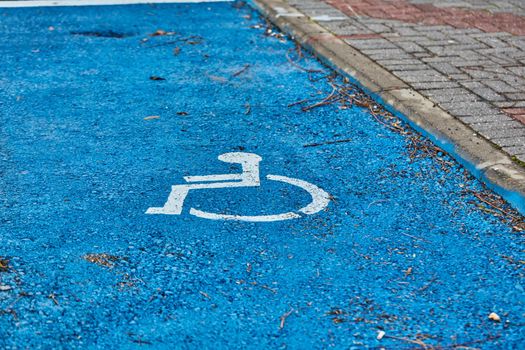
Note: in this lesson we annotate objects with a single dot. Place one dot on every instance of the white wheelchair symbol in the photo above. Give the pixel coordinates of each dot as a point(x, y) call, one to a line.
point(248, 178)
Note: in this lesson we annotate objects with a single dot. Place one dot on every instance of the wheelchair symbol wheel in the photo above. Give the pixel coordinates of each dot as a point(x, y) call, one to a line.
point(248, 178)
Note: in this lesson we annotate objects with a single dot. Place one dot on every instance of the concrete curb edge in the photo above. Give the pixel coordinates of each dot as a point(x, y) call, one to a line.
point(481, 157)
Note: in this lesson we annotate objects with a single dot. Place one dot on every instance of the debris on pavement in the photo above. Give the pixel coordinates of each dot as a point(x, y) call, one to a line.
point(152, 117)
point(157, 78)
point(241, 71)
point(494, 317)
point(102, 259)
point(4, 264)
point(161, 32)
point(494, 205)
point(284, 317)
point(5, 288)
point(102, 34)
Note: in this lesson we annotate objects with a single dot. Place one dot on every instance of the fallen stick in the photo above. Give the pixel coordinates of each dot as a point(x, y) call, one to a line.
point(284, 317)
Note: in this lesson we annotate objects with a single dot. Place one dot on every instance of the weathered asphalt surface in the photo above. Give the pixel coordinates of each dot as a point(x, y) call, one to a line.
point(402, 246)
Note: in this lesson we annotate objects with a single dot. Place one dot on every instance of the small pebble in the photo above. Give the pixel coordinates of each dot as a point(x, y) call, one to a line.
point(494, 317)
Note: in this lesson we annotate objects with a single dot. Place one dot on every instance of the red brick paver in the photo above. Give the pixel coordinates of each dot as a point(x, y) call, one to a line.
point(516, 113)
point(431, 15)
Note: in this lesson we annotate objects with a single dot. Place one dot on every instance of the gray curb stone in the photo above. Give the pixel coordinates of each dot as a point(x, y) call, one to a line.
point(485, 160)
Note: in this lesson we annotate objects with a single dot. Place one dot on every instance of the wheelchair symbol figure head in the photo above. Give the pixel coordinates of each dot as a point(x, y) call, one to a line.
point(240, 157)
point(249, 177)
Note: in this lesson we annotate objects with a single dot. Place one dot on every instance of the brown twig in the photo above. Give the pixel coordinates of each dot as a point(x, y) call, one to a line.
point(480, 197)
point(327, 100)
point(284, 317)
point(53, 297)
point(242, 70)
point(428, 284)
point(298, 102)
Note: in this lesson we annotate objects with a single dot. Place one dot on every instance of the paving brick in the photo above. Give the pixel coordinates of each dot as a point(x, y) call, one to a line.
point(417, 76)
point(517, 113)
point(518, 70)
point(442, 59)
point(434, 85)
point(445, 68)
point(516, 150)
point(468, 64)
point(399, 62)
point(371, 44)
point(513, 124)
point(410, 47)
point(482, 91)
point(406, 67)
point(516, 96)
point(490, 118)
point(320, 13)
point(510, 141)
point(352, 31)
point(469, 109)
point(501, 61)
point(504, 104)
point(379, 28)
point(520, 118)
point(408, 31)
point(451, 95)
point(493, 134)
point(492, 42)
point(513, 111)
point(382, 54)
point(500, 86)
point(422, 54)
point(458, 77)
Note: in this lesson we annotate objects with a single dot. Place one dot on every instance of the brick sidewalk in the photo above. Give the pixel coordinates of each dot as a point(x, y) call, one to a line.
point(468, 56)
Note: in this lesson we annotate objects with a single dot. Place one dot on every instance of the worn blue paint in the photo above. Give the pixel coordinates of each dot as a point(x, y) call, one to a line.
point(80, 165)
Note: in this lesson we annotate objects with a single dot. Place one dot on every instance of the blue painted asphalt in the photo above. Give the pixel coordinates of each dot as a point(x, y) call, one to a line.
point(401, 247)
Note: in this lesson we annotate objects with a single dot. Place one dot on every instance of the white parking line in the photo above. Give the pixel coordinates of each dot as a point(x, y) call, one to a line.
point(45, 3)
